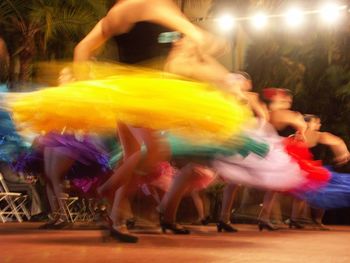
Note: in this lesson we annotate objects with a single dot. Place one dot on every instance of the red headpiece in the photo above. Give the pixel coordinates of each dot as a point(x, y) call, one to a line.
point(269, 93)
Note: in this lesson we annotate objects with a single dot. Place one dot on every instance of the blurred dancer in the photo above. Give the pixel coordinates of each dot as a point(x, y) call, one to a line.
point(133, 22)
point(316, 139)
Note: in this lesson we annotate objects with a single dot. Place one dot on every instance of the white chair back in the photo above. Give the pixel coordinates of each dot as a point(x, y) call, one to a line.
point(3, 185)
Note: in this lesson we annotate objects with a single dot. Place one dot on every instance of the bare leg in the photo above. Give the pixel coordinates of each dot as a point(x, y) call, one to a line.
point(56, 165)
point(121, 207)
point(276, 212)
point(269, 201)
point(306, 213)
point(317, 216)
point(198, 202)
point(49, 188)
point(172, 198)
point(228, 198)
point(229, 195)
point(131, 140)
point(297, 207)
point(155, 195)
point(121, 180)
point(265, 213)
point(132, 157)
point(51, 197)
point(59, 166)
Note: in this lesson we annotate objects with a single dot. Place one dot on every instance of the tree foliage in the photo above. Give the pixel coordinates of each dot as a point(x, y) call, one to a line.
point(42, 29)
point(314, 63)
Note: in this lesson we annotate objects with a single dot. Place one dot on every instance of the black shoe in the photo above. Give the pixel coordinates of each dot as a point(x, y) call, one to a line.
point(202, 222)
point(295, 224)
point(48, 225)
point(130, 223)
point(174, 228)
point(205, 221)
point(226, 227)
point(39, 218)
point(322, 227)
point(267, 225)
point(60, 224)
point(123, 237)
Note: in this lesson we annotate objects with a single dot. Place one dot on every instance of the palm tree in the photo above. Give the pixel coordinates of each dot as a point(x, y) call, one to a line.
point(32, 27)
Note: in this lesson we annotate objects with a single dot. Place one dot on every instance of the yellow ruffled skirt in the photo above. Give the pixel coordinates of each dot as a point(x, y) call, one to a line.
point(139, 98)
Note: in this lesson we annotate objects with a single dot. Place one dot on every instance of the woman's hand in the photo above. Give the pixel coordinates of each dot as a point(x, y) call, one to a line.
point(342, 159)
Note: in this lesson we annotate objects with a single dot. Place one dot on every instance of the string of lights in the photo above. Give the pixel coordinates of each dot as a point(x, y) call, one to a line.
point(330, 14)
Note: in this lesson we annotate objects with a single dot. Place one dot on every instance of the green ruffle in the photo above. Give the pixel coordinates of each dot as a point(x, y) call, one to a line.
point(242, 145)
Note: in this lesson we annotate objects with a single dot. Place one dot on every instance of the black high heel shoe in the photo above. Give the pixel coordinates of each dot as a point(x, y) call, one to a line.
point(48, 225)
point(202, 222)
point(225, 227)
point(171, 226)
point(205, 221)
point(320, 226)
point(174, 228)
point(123, 237)
point(267, 225)
point(130, 223)
point(61, 224)
point(295, 224)
point(120, 236)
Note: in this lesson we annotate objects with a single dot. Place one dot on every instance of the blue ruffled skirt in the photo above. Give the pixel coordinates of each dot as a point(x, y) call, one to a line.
point(334, 194)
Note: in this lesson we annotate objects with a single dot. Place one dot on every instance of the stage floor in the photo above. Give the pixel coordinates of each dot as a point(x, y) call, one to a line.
point(25, 243)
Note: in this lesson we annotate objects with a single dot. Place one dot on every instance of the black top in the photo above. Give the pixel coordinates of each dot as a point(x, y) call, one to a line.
point(141, 43)
point(318, 151)
point(286, 132)
point(323, 153)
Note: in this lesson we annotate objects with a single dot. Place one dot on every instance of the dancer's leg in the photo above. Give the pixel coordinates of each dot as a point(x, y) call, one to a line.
point(317, 216)
point(265, 213)
point(56, 165)
point(48, 152)
point(172, 198)
point(297, 207)
point(269, 201)
point(229, 194)
point(60, 164)
point(228, 198)
point(132, 157)
point(198, 203)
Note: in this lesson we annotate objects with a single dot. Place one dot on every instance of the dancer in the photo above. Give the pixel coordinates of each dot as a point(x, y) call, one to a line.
point(129, 17)
point(73, 155)
point(227, 170)
point(59, 156)
point(322, 188)
point(126, 16)
point(12, 146)
point(279, 102)
point(284, 169)
point(315, 139)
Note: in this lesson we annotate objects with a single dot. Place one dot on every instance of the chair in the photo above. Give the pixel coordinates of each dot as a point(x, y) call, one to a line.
point(87, 212)
point(11, 204)
point(68, 210)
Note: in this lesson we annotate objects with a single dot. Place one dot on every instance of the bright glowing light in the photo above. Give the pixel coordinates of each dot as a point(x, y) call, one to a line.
point(294, 17)
point(226, 22)
point(331, 13)
point(259, 21)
